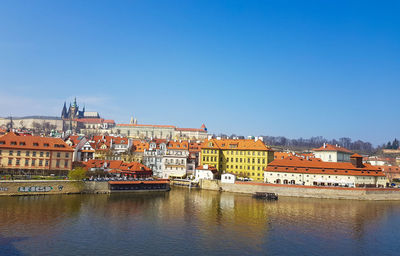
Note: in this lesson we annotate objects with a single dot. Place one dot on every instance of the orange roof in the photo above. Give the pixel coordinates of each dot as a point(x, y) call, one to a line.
point(234, 144)
point(116, 165)
point(15, 141)
point(94, 120)
point(178, 145)
point(138, 146)
point(355, 156)
point(329, 147)
point(389, 169)
point(317, 166)
point(190, 130)
point(282, 155)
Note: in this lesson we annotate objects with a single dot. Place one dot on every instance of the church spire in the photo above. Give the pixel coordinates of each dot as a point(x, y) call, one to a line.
point(64, 111)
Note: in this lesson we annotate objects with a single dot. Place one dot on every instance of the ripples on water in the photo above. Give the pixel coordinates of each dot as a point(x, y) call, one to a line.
point(196, 222)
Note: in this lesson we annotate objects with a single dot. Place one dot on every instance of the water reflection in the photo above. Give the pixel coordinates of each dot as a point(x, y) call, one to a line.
point(195, 222)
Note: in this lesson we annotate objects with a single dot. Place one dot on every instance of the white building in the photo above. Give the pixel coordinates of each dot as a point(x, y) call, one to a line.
point(167, 159)
point(205, 172)
point(153, 157)
point(331, 153)
point(314, 172)
point(228, 178)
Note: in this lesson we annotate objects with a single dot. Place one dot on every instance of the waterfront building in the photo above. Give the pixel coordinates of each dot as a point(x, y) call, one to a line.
point(315, 172)
point(167, 159)
point(34, 155)
point(332, 153)
point(242, 157)
point(205, 172)
point(119, 168)
point(174, 161)
point(168, 132)
point(153, 156)
point(392, 172)
point(194, 156)
point(228, 178)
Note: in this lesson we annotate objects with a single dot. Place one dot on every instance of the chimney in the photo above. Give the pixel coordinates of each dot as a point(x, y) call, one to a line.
point(356, 161)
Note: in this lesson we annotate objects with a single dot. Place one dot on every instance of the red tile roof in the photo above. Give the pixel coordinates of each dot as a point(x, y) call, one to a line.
point(184, 145)
point(317, 166)
point(329, 147)
point(116, 165)
point(94, 120)
point(16, 141)
point(232, 144)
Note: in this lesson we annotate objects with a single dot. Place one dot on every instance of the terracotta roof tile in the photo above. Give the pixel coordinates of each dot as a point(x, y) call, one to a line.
point(14, 141)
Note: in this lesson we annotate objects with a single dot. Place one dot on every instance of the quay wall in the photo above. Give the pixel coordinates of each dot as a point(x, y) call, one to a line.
point(38, 187)
point(304, 191)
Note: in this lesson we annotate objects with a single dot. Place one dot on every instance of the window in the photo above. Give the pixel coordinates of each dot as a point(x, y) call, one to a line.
point(13, 143)
point(58, 163)
point(46, 144)
point(22, 143)
point(27, 153)
point(40, 162)
point(47, 154)
point(18, 161)
point(34, 153)
point(18, 153)
point(9, 161)
point(36, 144)
point(59, 154)
point(41, 154)
point(33, 162)
point(26, 162)
point(66, 155)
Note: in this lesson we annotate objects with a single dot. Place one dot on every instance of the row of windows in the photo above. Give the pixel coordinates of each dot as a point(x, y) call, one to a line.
point(34, 153)
point(33, 162)
point(235, 160)
point(236, 152)
point(258, 168)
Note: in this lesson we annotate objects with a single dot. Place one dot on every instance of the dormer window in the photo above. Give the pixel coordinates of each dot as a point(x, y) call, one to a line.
point(46, 144)
point(22, 143)
point(36, 144)
point(13, 143)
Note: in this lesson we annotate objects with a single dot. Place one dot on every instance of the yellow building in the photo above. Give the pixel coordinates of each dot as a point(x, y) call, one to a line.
point(25, 154)
point(245, 158)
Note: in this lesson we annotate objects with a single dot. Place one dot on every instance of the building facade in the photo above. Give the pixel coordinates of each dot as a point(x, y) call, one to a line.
point(315, 172)
point(34, 155)
point(242, 157)
point(167, 132)
point(167, 159)
point(332, 153)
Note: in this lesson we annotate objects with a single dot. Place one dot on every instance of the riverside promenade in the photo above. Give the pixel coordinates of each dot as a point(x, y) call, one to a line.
point(304, 191)
point(51, 187)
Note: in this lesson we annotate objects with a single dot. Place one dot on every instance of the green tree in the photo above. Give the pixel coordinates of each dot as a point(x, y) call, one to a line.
point(77, 174)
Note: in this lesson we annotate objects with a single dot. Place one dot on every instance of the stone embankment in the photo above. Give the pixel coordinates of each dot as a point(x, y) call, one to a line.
point(304, 191)
point(39, 187)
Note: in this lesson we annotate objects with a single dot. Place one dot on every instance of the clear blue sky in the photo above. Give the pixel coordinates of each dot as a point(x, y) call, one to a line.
point(291, 68)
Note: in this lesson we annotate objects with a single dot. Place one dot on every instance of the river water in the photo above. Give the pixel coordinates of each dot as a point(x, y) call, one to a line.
point(196, 222)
